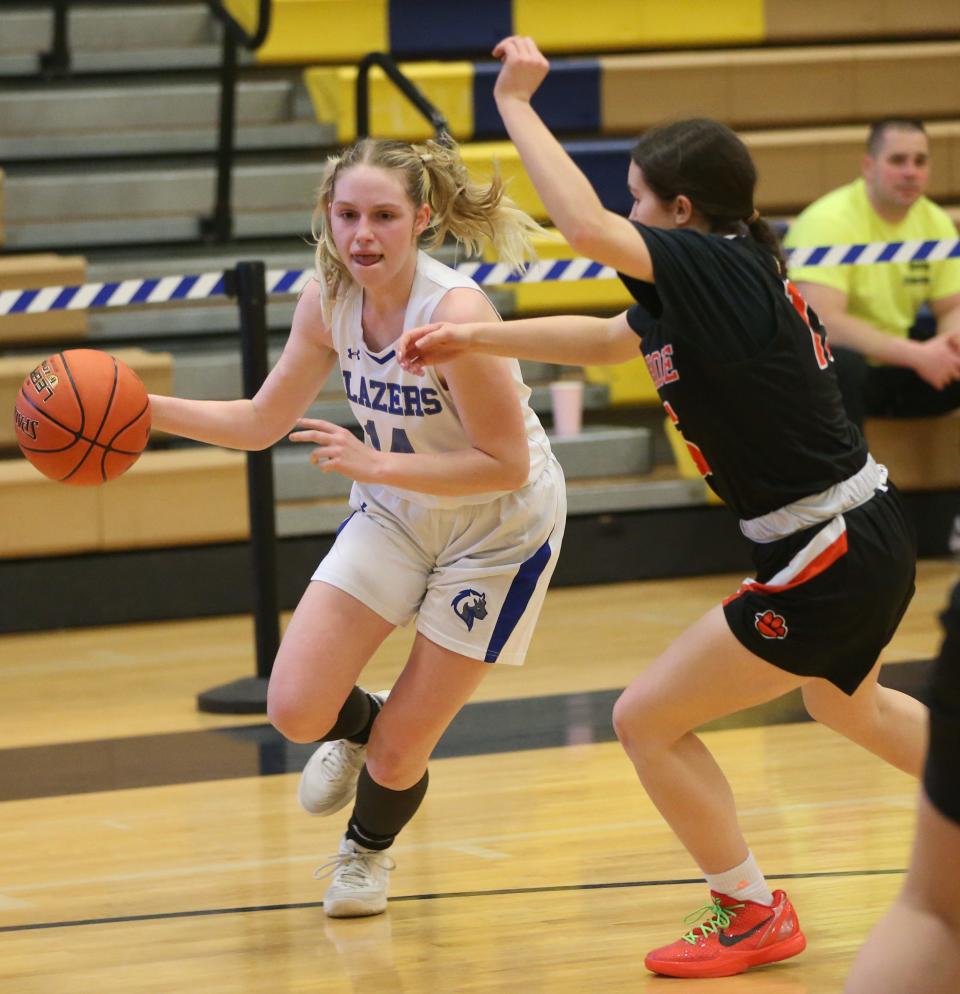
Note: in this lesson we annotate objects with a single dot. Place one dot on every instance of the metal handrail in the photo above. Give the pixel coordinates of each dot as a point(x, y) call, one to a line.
point(249, 41)
point(387, 63)
point(218, 227)
point(56, 61)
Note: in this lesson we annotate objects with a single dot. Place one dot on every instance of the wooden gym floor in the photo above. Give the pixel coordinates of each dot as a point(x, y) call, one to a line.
point(149, 847)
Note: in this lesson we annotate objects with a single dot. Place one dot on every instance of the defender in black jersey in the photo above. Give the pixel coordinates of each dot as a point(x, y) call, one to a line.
point(752, 391)
point(744, 371)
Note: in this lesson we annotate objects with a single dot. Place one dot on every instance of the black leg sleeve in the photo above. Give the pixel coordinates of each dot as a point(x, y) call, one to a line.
point(355, 719)
point(380, 813)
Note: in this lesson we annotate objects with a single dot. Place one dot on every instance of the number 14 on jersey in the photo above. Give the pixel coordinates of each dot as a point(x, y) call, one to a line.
point(398, 442)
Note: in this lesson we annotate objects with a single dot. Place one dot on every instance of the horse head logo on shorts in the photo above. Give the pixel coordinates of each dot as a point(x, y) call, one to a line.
point(470, 611)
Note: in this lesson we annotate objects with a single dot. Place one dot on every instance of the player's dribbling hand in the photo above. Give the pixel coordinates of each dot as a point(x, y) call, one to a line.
point(337, 449)
point(524, 68)
point(431, 344)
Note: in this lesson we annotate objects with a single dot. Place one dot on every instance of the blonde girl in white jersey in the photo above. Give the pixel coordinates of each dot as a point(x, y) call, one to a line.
point(458, 503)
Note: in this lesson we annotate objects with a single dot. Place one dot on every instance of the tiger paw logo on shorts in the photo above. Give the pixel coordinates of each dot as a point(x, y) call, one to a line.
point(770, 625)
point(468, 612)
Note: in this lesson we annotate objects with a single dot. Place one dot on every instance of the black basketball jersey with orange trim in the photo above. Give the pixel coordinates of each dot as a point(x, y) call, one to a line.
point(743, 369)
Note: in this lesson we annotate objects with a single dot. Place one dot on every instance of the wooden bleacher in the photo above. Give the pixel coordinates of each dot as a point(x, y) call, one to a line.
point(799, 81)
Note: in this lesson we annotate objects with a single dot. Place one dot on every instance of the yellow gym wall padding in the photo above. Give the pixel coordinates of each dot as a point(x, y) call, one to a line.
point(482, 158)
point(604, 25)
point(447, 85)
point(318, 30)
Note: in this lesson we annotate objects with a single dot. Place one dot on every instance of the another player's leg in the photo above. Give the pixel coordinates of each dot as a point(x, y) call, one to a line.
point(915, 948)
point(433, 687)
point(313, 694)
point(707, 674)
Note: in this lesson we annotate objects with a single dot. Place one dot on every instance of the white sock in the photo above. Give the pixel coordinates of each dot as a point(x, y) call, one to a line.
point(744, 882)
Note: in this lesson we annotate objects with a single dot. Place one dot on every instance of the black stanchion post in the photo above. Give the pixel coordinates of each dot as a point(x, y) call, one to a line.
point(249, 695)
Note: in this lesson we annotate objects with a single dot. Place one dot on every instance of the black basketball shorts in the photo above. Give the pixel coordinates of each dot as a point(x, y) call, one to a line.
point(941, 775)
point(827, 599)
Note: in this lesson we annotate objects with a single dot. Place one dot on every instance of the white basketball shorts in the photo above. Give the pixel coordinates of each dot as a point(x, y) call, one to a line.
point(474, 576)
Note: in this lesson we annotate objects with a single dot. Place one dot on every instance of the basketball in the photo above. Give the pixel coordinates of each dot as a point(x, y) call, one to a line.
point(82, 417)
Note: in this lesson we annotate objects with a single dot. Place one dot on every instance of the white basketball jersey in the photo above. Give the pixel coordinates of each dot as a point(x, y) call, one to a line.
point(402, 412)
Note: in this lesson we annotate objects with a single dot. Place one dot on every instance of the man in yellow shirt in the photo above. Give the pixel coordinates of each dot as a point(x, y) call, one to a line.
point(870, 310)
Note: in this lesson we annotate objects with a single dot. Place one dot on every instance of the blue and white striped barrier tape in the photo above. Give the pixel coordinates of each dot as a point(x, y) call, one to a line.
point(204, 286)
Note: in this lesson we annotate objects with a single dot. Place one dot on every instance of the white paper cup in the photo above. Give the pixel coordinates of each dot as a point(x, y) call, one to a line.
point(566, 396)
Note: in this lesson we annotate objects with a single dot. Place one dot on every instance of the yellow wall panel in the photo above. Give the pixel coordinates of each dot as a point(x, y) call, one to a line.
point(322, 30)
point(628, 382)
point(568, 297)
point(566, 26)
point(482, 157)
point(447, 85)
point(244, 12)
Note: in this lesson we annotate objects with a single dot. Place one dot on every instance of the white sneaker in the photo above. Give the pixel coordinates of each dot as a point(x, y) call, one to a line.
point(360, 878)
point(329, 780)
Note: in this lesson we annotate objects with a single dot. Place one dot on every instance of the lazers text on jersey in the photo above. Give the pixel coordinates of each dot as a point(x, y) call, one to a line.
point(392, 398)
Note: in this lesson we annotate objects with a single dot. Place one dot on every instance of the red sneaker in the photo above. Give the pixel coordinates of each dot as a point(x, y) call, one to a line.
point(735, 936)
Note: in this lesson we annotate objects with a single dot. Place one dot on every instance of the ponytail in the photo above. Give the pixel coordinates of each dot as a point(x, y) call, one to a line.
point(472, 213)
point(766, 237)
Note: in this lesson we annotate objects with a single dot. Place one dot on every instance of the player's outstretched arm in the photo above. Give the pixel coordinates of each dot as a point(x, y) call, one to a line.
point(571, 340)
point(571, 201)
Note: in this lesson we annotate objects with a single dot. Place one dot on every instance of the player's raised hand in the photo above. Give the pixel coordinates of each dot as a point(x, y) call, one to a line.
point(524, 68)
point(431, 344)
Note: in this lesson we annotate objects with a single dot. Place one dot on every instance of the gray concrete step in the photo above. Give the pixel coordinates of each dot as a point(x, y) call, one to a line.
point(322, 516)
point(217, 374)
point(74, 120)
point(66, 207)
point(597, 452)
point(116, 38)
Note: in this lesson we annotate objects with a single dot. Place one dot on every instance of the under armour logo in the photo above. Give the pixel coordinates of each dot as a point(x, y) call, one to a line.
point(476, 610)
point(363, 506)
point(353, 353)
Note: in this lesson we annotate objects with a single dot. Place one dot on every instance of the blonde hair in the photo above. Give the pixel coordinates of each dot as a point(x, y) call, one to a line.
point(433, 174)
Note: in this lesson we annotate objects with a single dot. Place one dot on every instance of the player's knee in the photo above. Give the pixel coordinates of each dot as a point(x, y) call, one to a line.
point(393, 767)
point(631, 722)
point(288, 715)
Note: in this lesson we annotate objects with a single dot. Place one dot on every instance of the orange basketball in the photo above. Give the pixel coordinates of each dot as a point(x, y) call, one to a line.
point(82, 417)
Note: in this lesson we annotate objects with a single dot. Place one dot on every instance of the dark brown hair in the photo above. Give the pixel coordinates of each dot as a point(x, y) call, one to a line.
point(705, 161)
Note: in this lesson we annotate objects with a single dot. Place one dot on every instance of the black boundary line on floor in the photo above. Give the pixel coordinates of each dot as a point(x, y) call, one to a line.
point(504, 892)
point(482, 728)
